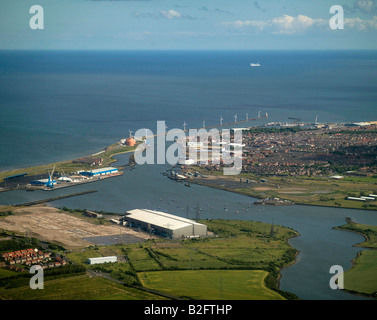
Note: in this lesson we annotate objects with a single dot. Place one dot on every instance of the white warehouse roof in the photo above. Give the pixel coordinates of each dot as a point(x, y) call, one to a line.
point(104, 170)
point(102, 259)
point(161, 219)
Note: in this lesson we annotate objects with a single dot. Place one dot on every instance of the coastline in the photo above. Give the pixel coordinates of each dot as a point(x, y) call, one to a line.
point(362, 294)
point(257, 197)
point(293, 262)
point(357, 232)
point(62, 164)
point(358, 255)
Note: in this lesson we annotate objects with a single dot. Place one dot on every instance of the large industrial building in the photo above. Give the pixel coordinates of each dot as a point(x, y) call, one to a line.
point(99, 172)
point(164, 224)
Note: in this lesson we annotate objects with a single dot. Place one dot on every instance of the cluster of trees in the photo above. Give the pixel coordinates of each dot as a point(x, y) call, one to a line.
point(22, 279)
point(6, 213)
point(18, 243)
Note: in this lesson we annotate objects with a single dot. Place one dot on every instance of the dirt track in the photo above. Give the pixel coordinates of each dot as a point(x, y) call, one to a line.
point(49, 224)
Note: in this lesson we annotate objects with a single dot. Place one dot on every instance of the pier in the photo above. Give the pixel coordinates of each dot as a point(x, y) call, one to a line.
point(32, 203)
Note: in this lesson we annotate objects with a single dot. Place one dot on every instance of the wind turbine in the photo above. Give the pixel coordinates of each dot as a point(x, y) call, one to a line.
point(247, 117)
point(259, 114)
point(235, 118)
point(184, 125)
point(130, 133)
point(221, 120)
point(204, 123)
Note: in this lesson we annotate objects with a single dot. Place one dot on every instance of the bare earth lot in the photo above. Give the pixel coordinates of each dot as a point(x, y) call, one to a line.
point(49, 224)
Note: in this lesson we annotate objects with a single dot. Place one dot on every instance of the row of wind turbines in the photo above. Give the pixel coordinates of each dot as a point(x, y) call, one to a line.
point(222, 120)
point(185, 125)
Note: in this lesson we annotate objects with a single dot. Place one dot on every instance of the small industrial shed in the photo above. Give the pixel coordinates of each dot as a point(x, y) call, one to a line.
point(102, 260)
point(165, 224)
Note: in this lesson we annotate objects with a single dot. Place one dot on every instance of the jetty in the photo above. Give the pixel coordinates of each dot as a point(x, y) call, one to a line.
point(32, 203)
point(274, 202)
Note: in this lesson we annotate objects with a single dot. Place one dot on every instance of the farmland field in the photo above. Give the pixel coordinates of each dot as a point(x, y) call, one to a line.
point(6, 273)
point(77, 288)
point(241, 261)
point(211, 284)
point(362, 277)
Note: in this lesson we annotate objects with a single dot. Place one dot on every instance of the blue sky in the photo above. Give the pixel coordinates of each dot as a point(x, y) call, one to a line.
point(188, 24)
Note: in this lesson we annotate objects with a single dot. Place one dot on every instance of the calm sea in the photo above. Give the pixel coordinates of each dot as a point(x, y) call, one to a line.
point(61, 105)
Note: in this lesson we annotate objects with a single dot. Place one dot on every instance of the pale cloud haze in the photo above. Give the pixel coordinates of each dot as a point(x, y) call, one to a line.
point(187, 24)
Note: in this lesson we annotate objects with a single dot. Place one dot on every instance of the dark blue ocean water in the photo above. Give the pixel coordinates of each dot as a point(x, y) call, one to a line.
point(60, 105)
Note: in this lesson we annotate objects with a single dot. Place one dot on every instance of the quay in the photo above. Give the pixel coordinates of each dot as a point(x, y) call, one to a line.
point(274, 202)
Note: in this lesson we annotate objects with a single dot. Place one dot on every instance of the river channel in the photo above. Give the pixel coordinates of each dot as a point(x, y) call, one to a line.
point(319, 244)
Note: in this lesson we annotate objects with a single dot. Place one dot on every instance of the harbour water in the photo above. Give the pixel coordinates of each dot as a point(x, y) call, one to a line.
point(58, 106)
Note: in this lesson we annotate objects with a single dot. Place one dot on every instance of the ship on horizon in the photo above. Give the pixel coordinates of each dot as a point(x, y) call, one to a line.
point(255, 64)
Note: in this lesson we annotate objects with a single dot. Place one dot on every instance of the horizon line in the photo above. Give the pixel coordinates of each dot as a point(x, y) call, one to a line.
point(193, 50)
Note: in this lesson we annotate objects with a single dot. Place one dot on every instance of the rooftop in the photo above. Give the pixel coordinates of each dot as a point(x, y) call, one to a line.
point(160, 219)
point(103, 169)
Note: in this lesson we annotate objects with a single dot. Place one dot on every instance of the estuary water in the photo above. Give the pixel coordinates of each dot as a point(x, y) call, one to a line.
point(58, 106)
point(145, 187)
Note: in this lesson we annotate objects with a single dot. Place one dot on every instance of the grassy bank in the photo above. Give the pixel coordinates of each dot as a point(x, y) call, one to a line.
point(362, 277)
point(369, 233)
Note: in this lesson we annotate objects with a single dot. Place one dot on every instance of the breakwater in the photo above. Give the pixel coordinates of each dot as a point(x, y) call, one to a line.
point(28, 204)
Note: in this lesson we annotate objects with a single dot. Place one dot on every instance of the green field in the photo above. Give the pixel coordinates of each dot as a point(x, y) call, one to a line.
point(310, 190)
point(211, 284)
point(81, 256)
point(4, 273)
point(240, 246)
point(369, 232)
point(77, 288)
point(244, 258)
point(362, 277)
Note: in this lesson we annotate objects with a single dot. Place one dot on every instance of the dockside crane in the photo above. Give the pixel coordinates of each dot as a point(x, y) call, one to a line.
point(50, 182)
